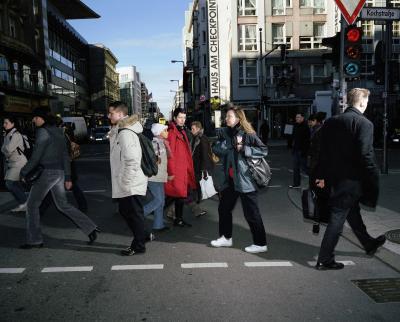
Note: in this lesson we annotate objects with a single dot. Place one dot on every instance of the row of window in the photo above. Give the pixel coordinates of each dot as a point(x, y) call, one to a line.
point(249, 7)
point(308, 73)
point(368, 27)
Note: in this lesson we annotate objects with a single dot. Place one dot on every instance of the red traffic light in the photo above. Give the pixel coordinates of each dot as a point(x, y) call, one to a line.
point(354, 51)
point(353, 34)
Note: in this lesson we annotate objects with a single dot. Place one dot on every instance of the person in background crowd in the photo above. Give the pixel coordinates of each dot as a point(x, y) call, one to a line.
point(156, 183)
point(311, 121)
point(180, 166)
point(13, 150)
point(129, 183)
point(301, 144)
point(202, 163)
point(347, 164)
point(237, 142)
point(50, 151)
point(264, 131)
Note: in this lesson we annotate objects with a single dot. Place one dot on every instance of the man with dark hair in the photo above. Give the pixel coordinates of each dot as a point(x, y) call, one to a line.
point(129, 183)
point(50, 152)
point(301, 143)
point(347, 164)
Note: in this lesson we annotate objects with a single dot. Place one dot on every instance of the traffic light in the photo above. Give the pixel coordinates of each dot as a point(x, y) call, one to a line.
point(352, 52)
point(334, 43)
point(283, 52)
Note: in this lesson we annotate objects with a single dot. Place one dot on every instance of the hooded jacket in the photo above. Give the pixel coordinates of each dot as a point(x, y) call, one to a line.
point(14, 159)
point(127, 177)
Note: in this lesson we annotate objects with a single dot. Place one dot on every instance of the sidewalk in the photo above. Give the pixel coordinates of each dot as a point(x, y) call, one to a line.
point(7, 201)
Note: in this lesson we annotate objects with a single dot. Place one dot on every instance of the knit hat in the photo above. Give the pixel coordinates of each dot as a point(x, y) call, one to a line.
point(157, 128)
point(42, 112)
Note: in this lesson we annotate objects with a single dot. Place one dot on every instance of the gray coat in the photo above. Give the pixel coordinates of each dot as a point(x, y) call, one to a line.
point(50, 151)
point(14, 159)
point(252, 148)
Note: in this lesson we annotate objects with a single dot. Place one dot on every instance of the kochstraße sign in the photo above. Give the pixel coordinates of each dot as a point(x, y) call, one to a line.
point(213, 47)
point(380, 13)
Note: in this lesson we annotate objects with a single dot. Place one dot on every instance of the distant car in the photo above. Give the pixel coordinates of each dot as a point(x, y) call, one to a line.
point(99, 134)
point(395, 138)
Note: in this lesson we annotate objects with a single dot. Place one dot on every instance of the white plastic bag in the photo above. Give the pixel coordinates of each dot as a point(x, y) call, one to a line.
point(207, 187)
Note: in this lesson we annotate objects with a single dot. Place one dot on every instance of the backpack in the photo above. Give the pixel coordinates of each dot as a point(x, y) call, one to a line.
point(27, 146)
point(149, 158)
point(74, 148)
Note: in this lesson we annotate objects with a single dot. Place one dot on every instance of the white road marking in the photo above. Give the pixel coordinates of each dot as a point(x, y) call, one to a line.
point(133, 267)
point(11, 270)
point(204, 265)
point(268, 264)
point(345, 263)
point(67, 269)
point(276, 186)
point(94, 191)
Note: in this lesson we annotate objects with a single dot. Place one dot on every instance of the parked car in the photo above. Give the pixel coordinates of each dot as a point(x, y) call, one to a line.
point(99, 134)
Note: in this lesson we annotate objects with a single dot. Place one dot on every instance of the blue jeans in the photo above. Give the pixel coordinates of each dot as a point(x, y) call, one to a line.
point(17, 190)
point(157, 204)
point(53, 181)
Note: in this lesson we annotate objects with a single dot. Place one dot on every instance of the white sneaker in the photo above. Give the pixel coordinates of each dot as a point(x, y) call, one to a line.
point(256, 249)
point(222, 242)
point(20, 208)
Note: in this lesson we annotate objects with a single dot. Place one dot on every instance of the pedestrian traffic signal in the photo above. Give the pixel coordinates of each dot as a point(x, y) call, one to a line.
point(352, 52)
point(334, 43)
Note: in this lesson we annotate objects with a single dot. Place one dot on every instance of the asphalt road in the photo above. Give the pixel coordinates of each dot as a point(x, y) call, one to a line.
point(181, 278)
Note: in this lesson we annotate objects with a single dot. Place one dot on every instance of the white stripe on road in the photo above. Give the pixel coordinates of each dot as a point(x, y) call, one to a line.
point(94, 191)
point(276, 186)
point(67, 269)
point(345, 263)
point(133, 267)
point(204, 265)
point(268, 264)
point(11, 270)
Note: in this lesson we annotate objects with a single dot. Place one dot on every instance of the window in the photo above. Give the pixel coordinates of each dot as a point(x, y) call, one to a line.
point(396, 29)
point(204, 60)
point(317, 5)
point(366, 62)
point(278, 7)
point(275, 73)
point(395, 3)
point(278, 33)
point(4, 70)
point(248, 72)
point(204, 37)
point(16, 74)
point(306, 3)
point(313, 73)
point(203, 13)
point(368, 28)
point(319, 33)
point(26, 73)
point(247, 37)
point(247, 7)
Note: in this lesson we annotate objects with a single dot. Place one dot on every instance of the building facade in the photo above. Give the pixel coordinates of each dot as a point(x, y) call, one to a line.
point(104, 80)
point(130, 87)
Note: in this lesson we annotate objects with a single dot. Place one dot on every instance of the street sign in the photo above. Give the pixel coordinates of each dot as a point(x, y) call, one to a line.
point(373, 13)
point(350, 9)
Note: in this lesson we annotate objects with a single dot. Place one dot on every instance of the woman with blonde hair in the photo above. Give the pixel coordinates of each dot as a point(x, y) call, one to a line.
point(237, 142)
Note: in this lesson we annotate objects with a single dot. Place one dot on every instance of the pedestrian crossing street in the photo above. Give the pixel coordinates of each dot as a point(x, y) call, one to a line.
point(259, 264)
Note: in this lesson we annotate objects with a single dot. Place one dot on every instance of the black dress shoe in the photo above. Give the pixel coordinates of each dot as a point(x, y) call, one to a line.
point(30, 246)
point(378, 242)
point(331, 265)
point(93, 236)
point(130, 251)
point(181, 223)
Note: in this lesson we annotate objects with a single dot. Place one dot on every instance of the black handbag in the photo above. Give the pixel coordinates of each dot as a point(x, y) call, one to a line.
point(34, 174)
point(260, 171)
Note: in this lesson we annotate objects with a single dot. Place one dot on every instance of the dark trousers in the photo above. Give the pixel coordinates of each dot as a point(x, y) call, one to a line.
point(179, 202)
point(250, 209)
point(299, 163)
point(131, 209)
point(344, 205)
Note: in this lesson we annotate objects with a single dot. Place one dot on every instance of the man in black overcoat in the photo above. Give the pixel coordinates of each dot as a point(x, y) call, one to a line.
point(347, 163)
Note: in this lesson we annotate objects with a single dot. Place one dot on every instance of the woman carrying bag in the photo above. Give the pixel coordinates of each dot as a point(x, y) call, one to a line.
point(237, 142)
point(13, 150)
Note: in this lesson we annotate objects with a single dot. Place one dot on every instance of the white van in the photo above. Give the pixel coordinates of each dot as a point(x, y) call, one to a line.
point(78, 124)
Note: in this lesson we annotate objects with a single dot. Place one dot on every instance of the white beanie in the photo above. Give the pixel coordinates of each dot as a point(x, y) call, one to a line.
point(157, 128)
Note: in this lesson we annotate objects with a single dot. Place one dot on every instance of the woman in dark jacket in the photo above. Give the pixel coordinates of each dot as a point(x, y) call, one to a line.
point(236, 143)
point(202, 163)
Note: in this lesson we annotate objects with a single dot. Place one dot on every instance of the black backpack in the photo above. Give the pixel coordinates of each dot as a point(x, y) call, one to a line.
point(149, 158)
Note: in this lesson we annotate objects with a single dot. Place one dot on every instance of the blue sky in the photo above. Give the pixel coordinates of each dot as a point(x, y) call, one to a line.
point(144, 33)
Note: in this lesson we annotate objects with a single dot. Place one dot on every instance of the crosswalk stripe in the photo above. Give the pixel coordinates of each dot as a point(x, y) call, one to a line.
point(67, 269)
point(133, 267)
point(11, 270)
point(204, 265)
point(345, 263)
point(268, 264)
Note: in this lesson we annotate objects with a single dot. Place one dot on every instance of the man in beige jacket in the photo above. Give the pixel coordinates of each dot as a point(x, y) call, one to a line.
point(129, 183)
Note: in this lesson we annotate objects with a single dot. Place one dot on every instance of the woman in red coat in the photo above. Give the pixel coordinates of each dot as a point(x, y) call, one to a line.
point(180, 166)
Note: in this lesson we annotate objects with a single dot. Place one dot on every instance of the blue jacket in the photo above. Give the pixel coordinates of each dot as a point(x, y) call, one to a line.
point(230, 157)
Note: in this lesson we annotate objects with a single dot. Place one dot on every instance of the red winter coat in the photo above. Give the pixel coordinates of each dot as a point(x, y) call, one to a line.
point(180, 164)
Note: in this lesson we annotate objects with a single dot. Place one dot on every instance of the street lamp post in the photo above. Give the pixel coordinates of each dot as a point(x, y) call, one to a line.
point(183, 70)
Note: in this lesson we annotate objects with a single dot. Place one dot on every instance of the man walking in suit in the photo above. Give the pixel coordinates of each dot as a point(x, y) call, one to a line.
point(348, 165)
